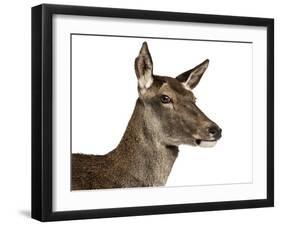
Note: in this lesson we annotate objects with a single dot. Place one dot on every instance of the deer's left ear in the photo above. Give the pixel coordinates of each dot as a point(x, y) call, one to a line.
point(191, 78)
point(144, 68)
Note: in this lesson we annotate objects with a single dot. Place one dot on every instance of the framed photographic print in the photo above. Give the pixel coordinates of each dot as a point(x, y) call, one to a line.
point(145, 112)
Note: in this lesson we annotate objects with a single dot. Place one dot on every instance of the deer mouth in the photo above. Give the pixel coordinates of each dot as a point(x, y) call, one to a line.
point(205, 143)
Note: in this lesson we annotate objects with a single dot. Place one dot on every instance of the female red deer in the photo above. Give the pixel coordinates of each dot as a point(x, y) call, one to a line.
point(164, 117)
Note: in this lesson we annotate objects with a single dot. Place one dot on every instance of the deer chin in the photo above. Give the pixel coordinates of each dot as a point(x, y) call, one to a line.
point(206, 143)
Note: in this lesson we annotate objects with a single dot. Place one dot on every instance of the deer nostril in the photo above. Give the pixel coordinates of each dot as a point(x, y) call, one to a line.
point(215, 131)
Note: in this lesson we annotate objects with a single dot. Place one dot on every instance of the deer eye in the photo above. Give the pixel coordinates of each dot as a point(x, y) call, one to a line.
point(165, 99)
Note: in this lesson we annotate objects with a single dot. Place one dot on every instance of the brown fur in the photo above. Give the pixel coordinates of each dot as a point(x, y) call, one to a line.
point(149, 146)
point(136, 162)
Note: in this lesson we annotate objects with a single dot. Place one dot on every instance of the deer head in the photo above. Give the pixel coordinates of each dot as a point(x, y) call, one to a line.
point(170, 109)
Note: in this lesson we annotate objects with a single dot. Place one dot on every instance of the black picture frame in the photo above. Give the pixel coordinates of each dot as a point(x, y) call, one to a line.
point(42, 111)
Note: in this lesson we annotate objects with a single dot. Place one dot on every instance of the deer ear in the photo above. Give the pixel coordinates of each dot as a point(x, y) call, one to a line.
point(191, 78)
point(143, 68)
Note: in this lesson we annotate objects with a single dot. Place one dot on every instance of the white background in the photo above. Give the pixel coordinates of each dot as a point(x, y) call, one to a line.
point(104, 92)
point(229, 166)
point(15, 113)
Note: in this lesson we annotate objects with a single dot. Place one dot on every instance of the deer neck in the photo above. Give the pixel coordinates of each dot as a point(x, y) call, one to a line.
point(141, 153)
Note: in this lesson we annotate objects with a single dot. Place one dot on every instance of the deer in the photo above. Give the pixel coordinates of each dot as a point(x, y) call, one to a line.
point(165, 116)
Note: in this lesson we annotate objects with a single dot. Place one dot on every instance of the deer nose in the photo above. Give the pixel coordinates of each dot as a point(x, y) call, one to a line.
point(215, 131)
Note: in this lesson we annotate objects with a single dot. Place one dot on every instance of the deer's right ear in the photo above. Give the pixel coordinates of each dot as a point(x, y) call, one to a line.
point(143, 68)
point(191, 78)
